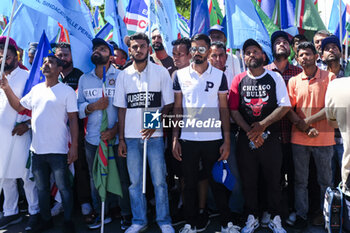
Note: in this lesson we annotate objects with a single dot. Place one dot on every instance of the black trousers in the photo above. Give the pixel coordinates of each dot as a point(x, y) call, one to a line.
point(208, 152)
point(266, 160)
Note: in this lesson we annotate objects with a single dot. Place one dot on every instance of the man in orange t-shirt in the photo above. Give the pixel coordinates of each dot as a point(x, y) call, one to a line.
point(311, 135)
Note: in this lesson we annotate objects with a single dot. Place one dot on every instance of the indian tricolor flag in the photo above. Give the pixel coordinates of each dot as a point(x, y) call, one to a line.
point(136, 16)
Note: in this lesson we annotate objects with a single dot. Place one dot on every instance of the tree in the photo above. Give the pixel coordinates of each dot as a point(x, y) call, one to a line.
point(183, 7)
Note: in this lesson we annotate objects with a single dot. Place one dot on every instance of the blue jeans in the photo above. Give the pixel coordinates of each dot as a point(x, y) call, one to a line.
point(336, 160)
point(301, 157)
point(42, 166)
point(156, 162)
point(124, 202)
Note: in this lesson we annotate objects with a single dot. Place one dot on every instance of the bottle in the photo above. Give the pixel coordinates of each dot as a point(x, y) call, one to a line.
point(264, 135)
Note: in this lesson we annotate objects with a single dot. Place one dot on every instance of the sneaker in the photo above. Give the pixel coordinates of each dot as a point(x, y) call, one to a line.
point(125, 222)
point(188, 229)
point(56, 209)
point(276, 226)
point(167, 228)
point(213, 213)
point(203, 221)
point(291, 219)
point(300, 223)
point(33, 221)
point(265, 219)
point(230, 228)
point(251, 224)
point(6, 221)
point(97, 223)
point(135, 228)
point(68, 227)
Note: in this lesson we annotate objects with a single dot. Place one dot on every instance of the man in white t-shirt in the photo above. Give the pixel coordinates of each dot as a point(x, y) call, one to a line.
point(13, 165)
point(53, 104)
point(201, 96)
point(337, 106)
point(133, 84)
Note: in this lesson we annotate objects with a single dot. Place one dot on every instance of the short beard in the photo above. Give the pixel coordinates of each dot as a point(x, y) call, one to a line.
point(259, 62)
point(142, 60)
point(9, 67)
point(329, 61)
point(99, 60)
point(158, 46)
point(199, 61)
point(281, 56)
point(67, 65)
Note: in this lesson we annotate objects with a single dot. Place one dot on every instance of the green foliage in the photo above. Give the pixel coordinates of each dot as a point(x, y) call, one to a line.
point(184, 7)
point(102, 8)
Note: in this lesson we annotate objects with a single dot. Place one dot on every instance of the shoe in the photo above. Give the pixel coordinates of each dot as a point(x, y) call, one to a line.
point(300, 223)
point(276, 225)
point(213, 213)
point(42, 226)
point(89, 218)
point(97, 223)
point(291, 219)
point(33, 221)
point(135, 228)
point(125, 222)
point(178, 218)
point(230, 228)
point(167, 228)
point(318, 220)
point(188, 229)
point(68, 227)
point(251, 224)
point(265, 219)
point(203, 221)
point(56, 209)
point(6, 221)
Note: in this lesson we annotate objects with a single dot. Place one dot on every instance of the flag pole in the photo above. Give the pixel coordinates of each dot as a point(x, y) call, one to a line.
point(346, 47)
point(7, 42)
point(103, 203)
point(146, 105)
point(340, 28)
point(102, 217)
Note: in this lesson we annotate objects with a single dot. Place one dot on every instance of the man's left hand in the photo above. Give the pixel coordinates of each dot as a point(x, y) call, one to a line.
point(72, 154)
point(20, 129)
point(108, 134)
point(147, 133)
point(224, 151)
point(257, 128)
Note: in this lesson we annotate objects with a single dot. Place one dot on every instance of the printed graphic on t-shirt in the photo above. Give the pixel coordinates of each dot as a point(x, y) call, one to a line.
point(93, 93)
point(138, 100)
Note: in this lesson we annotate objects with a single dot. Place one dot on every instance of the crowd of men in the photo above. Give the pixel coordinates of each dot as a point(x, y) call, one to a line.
point(273, 125)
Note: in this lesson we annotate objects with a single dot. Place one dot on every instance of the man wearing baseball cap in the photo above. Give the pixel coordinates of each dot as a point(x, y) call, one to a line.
point(16, 167)
point(281, 50)
point(258, 98)
point(91, 102)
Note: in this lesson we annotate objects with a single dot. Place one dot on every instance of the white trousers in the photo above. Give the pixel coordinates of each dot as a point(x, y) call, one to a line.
point(11, 196)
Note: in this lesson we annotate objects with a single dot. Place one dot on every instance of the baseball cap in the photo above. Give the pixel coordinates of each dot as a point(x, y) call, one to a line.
point(99, 41)
point(12, 42)
point(251, 42)
point(222, 174)
point(277, 34)
point(330, 39)
point(217, 27)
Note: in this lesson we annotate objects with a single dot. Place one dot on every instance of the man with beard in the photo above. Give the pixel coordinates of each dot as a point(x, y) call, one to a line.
point(53, 105)
point(317, 40)
point(311, 134)
point(132, 85)
point(69, 75)
point(91, 102)
point(281, 51)
point(331, 54)
point(201, 95)
point(16, 168)
point(258, 99)
point(160, 56)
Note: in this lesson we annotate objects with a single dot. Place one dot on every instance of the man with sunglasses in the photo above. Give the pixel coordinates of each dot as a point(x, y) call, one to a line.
point(201, 95)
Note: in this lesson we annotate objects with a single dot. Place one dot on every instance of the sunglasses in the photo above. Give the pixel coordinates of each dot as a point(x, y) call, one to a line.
point(201, 50)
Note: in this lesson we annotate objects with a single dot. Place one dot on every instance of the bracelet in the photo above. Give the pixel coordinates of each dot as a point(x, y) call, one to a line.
point(308, 129)
point(121, 139)
point(87, 110)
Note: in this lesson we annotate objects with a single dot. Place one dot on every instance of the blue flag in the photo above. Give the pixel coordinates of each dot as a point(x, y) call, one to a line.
point(119, 28)
point(334, 17)
point(199, 20)
point(268, 6)
point(243, 22)
point(35, 75)
point(6, 7)
point(105, 31)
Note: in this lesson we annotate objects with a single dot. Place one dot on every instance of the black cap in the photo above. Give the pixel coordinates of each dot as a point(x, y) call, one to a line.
point(330, 39)
point(277, 34)
point(99, 41)
point(251, 42)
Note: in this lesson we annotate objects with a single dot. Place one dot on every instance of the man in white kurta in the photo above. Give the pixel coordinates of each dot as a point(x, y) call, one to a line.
point(15, 140)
